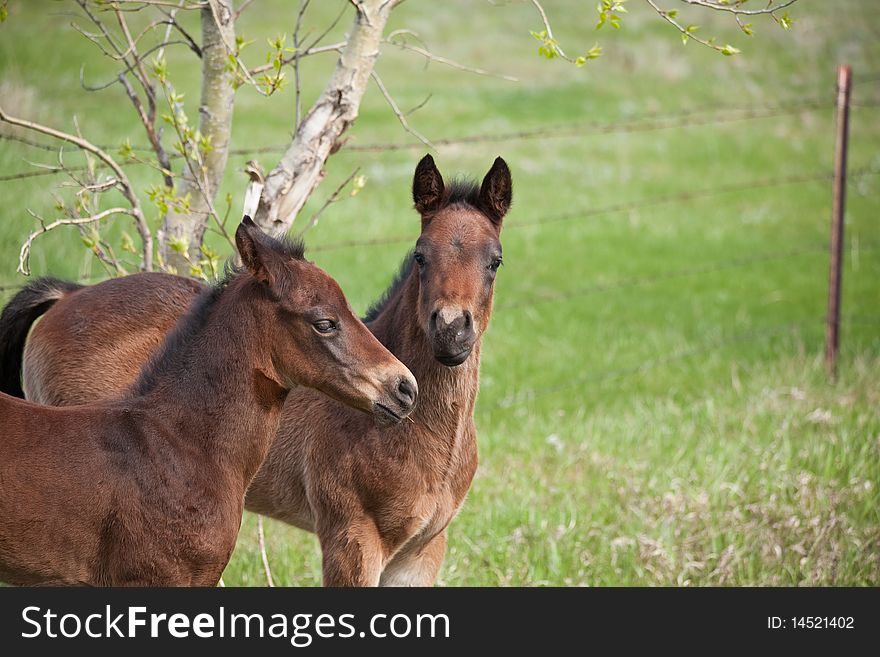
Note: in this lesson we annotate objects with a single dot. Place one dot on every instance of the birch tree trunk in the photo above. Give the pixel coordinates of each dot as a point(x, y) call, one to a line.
point(289, 185)
point(215, 123)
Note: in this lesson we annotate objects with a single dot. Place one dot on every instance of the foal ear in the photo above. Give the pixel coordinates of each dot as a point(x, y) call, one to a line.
point(496, 192)
point(256, 254)
point(427, 186)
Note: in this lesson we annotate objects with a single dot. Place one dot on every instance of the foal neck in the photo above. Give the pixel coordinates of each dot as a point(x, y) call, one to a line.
point(214, 375)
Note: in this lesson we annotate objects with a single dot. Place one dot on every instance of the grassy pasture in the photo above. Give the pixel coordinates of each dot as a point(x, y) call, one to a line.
point(653, 407)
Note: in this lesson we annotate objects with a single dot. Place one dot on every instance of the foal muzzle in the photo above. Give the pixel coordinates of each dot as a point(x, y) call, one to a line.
point(452, 336)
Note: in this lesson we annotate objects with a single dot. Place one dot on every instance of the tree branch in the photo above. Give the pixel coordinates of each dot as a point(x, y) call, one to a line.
point(244, 5)
point(738, 10)
point(393, 40)
point(333, 198)
point(401, 117)
point(303, 5)
point(124, 184)
point(262, 540)
point(687, 32)
point(24, 255)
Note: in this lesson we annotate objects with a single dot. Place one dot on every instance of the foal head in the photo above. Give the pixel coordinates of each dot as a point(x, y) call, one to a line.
point(314, 337)
point(458, 255)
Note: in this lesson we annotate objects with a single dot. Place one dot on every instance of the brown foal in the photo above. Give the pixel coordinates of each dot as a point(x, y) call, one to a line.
point(149, 489)
point(379, 498)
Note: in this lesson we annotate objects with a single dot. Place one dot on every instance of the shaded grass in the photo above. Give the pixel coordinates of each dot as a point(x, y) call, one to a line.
point(636, 427)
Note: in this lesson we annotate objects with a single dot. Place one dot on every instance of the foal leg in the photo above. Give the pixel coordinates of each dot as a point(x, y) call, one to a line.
point(352, 554)
point(416, 566)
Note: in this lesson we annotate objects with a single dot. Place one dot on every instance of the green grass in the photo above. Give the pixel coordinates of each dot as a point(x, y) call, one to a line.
point(676, 431)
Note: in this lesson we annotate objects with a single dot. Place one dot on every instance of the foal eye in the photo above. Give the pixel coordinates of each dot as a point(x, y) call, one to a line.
point(419, 258)
point(495, 264)
point(325, 326)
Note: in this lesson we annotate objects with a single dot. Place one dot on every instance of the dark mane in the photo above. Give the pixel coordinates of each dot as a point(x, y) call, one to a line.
point(292, 247)
point(403, 273)
point(184, 332)
point(463, 191)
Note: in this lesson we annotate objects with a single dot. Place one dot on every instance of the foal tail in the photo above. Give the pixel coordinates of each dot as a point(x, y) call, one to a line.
point(15, 322)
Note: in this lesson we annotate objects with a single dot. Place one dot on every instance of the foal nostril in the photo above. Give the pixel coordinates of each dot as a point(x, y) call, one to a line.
point(434, 316)
point(468, 320)
point(406, 392)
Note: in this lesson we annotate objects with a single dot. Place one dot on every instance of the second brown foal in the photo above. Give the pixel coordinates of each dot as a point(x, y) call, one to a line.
point(149, 489)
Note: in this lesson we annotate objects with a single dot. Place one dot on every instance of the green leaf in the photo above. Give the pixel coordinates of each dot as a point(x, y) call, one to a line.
point(126, 151)
point(179, 245)
point(89, 240)
point(128, 243)
point(358, 184)
point(786, 21)
point(729, 50)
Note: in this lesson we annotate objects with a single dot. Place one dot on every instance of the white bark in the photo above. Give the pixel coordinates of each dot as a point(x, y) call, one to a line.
point(292, 181)
point(215, 123)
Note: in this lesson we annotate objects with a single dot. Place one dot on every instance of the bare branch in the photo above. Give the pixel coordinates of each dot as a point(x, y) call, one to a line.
point(124, 184)
point(398, 113)
point(318, 39)
point(129, 67)
point(138, 70)
point(737, 8)
point(333, 198)
point(394, 40)
point(120, 54)
point(97, 187)
point(303, 5)
point(262, 538)
point(142, 4)
point(244, 5)
point(24, 255)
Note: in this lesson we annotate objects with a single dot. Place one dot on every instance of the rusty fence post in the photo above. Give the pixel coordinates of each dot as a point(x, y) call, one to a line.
point(832, 326)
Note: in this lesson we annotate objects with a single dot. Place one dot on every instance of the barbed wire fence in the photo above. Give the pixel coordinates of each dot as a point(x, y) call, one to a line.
point(708, 115)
